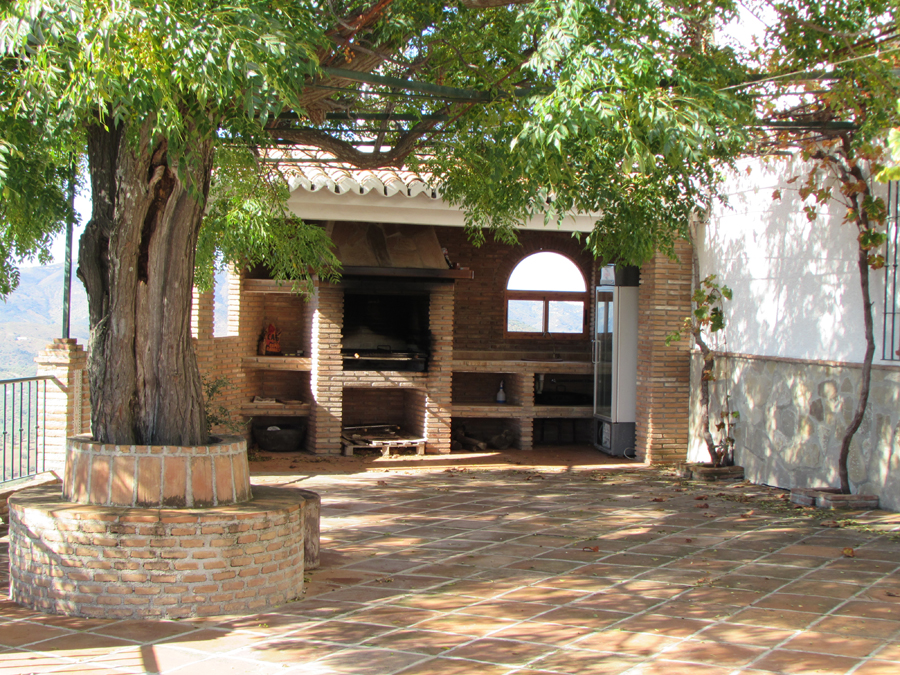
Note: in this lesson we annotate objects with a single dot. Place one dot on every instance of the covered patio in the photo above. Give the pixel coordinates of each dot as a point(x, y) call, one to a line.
point(492, 565)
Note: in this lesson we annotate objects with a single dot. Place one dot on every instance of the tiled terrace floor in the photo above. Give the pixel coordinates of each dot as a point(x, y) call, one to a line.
point(493, 570)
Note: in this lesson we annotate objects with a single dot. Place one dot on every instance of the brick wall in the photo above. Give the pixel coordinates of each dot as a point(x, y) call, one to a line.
point(149, 563)
point(663, 378)
point(479, 324)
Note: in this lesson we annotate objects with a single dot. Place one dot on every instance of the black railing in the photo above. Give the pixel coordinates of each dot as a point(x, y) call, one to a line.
point(23, 443)
point(890, 339)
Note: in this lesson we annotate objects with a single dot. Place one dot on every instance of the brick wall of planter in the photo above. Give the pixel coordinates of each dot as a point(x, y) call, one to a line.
point(110, 562)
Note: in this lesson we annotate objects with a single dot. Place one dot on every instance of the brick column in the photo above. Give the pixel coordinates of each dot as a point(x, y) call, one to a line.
point(438, 403)
point(202, 310)
point(325, 419)
point(663, 373)
point(520, 389)
point(68, 407)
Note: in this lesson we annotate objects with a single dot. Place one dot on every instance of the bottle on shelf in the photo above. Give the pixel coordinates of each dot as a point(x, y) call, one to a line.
point(501, 393)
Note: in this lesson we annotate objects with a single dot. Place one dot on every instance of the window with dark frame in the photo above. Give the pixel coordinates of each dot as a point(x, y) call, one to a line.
point(546, 295)
point(890, 342)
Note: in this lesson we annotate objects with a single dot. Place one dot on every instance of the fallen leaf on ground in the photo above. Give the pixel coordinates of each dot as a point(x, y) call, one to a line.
point(591, 549)
point(829, 523)
point(849, 552)
point(688, 541)
point(657, 499)
point(701, 497)
point(746, 514)
point(702, 506)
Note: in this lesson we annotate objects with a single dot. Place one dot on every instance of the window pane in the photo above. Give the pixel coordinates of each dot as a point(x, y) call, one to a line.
point(566, 316)
point(525, 316)
point(546, 271)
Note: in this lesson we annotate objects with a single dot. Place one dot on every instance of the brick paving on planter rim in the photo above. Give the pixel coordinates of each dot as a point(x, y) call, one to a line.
point(498, 570)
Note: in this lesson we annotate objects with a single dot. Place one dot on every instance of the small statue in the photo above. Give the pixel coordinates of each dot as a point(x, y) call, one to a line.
point(270, 341)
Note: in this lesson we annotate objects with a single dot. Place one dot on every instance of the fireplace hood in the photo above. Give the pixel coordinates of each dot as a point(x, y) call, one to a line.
point(391, 250)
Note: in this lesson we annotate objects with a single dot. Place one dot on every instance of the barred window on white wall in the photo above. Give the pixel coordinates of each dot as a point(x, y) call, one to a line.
point(891, 332)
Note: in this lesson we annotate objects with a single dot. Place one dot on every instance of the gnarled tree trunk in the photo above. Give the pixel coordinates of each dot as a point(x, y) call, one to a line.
point(136, 260)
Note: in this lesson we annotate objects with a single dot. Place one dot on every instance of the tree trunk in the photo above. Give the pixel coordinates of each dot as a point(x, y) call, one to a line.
point(705, 375)
point(136, 260)
point(866, 378)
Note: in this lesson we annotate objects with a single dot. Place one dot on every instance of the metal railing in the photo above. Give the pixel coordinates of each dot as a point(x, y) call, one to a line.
point(23, 443)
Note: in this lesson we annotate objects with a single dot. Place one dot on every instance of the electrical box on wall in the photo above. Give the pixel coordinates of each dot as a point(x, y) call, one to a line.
point(615, 363)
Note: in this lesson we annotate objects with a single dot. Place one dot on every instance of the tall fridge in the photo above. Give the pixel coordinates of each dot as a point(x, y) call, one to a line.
point(615, 360)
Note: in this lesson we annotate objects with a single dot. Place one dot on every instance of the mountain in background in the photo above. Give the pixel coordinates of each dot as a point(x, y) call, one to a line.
point(31, 317)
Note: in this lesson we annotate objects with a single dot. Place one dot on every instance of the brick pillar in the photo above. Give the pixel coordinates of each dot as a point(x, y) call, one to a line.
point(68, 409)
point(520, 390)
point(663, 373)
point(202, 310)
point(438, 404)
point(326, 411)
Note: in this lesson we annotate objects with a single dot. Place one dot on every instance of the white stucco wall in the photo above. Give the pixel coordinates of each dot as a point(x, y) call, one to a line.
point(795, 281)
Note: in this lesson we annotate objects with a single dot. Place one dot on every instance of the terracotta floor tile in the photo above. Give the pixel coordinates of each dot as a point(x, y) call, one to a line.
point(545, 633)
point(465, 624)
point(674, 668)
point(506, 609)
point(798, 663)
point(847, 625)
point(696, 610)
point(876, 667)
point(738, 634)
point(367, 661)
point(15, 662)
point(223, 665)
point(152, 631)
point(586, 663)
point(446, 666)
point(829, 643)
point(713, 653)
point(662, 625)
point(19, 633)
point(343, 631)
point(622, 642)
point(827, 589)
point(80, 646)
point(890, 652)
point(500, 652)
point(430, 643)
point(870, 610)
point(775, 618)
point(390, 615)
point(799, 603)
point(212, 641)
point(580, 616)
point(146, 659)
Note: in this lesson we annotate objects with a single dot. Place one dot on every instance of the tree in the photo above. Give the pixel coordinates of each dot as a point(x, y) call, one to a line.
point(831, 94)
point(708, 313)
point(178, 107)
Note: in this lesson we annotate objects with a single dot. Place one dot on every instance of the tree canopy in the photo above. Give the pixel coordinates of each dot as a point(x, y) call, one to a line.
point(174, 110)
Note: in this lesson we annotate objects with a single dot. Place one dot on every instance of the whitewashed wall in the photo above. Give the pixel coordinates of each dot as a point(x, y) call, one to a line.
point(795, 281)
point(797, 320)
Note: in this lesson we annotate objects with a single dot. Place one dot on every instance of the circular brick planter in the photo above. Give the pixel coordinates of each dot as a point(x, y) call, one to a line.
point(122, 562)
point(104, 474)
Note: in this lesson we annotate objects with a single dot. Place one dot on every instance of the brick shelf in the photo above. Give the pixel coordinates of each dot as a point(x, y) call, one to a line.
point(497, 410)
point(523, 367)
point(275, 409)
point(297, 363)
point(563, 411)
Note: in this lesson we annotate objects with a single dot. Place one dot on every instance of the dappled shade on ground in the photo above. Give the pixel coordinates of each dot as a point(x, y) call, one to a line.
point(497, 567)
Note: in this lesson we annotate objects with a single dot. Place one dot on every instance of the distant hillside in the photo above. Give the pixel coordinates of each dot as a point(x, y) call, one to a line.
point(32, 317)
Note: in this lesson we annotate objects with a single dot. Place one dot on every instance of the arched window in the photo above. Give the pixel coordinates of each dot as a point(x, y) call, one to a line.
point(546, 295)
